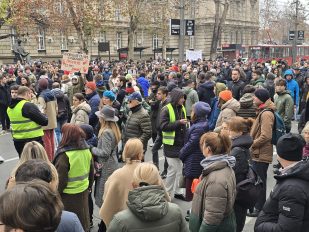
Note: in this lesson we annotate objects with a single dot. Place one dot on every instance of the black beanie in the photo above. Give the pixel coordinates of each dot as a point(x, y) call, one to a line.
point(262, 94)
point(290, 147)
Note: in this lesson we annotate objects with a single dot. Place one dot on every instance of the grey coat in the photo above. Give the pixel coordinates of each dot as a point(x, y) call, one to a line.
point(105, 153)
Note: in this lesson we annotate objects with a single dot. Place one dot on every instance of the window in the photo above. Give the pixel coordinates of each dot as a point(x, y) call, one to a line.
point(117, 14)
point(102, 36)
point(41, 37)
point(13, 37)
point(64, 41)
point(119, 40)
point(155, 41)
point(191, 42)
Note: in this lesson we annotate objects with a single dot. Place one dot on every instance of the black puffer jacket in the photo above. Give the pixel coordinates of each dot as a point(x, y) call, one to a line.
point(287, 209)
point(138, 125)
point(172, 151)
point(240, 150)
point(5, 96)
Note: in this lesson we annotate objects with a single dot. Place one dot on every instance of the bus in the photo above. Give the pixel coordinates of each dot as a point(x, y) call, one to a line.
point(263, 53)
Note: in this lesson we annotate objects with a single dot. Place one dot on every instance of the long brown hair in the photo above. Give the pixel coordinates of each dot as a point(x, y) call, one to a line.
point(72, 135)
point(110, 125)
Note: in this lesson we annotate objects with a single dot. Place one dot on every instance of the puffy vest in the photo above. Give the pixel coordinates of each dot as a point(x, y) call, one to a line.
point(79, 171)
point(23, 128)
point(169, 136)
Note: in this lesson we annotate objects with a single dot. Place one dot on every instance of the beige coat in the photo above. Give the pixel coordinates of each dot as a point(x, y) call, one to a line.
point(116, 192)
point(80, 114)
point(50, 109)
point(228, 110)
point(261, 132)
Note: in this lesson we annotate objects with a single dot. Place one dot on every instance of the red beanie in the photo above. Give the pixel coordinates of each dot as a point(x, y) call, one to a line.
point(91, 85)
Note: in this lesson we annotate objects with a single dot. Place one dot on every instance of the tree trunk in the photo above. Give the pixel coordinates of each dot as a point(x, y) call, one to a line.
point(219, 22)
point(82, 41)
point(164, 47)
point(131, 44)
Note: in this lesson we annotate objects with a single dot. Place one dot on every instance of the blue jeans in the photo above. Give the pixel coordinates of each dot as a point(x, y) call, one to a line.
point(58, 130)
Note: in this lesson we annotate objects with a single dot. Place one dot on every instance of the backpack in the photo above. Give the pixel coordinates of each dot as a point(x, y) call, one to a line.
point(62, 109)
point(249, 190)
point(278, 127)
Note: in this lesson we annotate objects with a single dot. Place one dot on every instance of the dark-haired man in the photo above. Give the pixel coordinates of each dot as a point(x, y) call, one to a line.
point(236, 85)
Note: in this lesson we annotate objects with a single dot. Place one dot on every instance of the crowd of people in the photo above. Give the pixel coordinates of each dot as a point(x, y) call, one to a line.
point(82, 140)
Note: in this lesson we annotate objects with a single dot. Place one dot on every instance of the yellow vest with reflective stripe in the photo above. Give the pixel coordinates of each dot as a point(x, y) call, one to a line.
point(23, 128)
point(79, 171)
point(169, 136)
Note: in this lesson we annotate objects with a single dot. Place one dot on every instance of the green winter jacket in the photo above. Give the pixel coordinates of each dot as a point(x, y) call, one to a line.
point(258, 83)
point(149, 211)
point(285, 107)
point(191, 99)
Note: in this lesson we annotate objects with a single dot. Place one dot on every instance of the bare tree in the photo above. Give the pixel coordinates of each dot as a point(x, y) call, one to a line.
point(219, 23)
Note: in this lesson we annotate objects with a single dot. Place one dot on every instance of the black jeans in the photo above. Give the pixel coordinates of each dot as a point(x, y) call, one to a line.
point(102, 227)
point(155, 150)
point(19, 145)
point(240, 214)
point(261, 169)
point(5, 120)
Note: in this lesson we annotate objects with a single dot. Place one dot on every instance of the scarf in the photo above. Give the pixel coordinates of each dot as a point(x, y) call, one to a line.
point(230, 160)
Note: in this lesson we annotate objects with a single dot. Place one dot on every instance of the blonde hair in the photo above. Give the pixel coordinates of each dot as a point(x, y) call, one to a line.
point(148, 173)
point(133, 150)
point(306, 128)
point(35, 150)
point(105, 125)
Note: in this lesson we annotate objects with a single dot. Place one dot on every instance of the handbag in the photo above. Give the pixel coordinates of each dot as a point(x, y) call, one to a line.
point(99, 166)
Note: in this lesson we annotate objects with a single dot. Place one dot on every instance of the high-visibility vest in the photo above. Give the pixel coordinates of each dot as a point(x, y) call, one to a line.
point(79, 171)
point(169, 136)
point(23, 128)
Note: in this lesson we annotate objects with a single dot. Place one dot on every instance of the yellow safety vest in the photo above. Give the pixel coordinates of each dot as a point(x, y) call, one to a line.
point(79, 171)
point(169, 136)
point(23, 128)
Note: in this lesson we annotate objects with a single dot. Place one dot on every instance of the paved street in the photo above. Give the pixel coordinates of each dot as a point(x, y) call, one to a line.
point(8, 152)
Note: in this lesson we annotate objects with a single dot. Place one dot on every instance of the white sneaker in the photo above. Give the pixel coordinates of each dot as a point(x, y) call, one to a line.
point(1, 160)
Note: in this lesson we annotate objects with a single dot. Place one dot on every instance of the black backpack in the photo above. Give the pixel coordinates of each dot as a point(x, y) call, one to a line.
point(249, 189)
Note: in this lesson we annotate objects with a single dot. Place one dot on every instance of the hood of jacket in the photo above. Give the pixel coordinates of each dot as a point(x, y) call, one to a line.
point(148, 203)
point(142, 81)
point(187, 90)
point(175, 96)
point(48, 95)
point(58, 93)
point(208, 85)
point(82, 106)
point(14, 102)
point(289, 72)
point(244, 141)
point(299, 171)
point(232, 104)
point(260, 80)
point(246, 101)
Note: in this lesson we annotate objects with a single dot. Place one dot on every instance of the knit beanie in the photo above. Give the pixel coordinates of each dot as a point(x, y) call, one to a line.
point(219, 88)
point(290, 147)
point(91, 85)
point(262, 94)
point(226, 95)
point(43, 84)
point(109, 94)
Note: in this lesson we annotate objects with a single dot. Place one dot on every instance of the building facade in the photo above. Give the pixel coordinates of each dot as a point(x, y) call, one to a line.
point(241, 27)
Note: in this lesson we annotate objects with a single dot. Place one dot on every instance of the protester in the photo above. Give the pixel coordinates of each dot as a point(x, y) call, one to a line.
point(285, 209)
point(191, 154)
point(106, 161)
point(148, 206)
point(94, 101)
point(30, 206)
point(262, 149)
point(239, 132)
point(73, 161)
point(119, 184)
point(21, 110)
point(80, 110)
point(213, 200)
point(5, 99)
